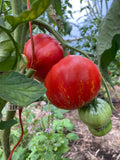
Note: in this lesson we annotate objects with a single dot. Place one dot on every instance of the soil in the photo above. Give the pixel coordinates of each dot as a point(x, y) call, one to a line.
point(89, 147)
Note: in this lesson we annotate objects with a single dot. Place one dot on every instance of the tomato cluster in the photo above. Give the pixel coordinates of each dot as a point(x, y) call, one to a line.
point(71, 82)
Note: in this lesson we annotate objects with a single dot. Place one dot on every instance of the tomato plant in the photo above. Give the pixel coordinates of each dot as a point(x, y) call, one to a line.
point(72, 82)
point(47, 52)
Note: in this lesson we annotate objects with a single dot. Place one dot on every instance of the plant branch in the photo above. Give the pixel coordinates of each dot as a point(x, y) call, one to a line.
point(110, 101)
point(96, 8)
point(91, 9)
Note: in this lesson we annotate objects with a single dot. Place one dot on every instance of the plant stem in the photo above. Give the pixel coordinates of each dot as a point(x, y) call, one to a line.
point(110, 101)
point(21, 30)
point(30, 72)
point(5, 135)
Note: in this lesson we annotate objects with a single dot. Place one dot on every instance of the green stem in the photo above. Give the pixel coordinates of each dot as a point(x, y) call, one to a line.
point(110, 101)
point(12, 39)
point(21, 30)
point(5, 136)
point(29, 73)
point(58, 36)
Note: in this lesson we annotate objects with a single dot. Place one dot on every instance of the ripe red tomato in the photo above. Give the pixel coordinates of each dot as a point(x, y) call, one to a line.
point(72, 82)
point(47, 52)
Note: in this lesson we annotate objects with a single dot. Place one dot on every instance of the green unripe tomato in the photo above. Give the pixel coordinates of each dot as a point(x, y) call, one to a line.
point(101, 131)
point(95, 114)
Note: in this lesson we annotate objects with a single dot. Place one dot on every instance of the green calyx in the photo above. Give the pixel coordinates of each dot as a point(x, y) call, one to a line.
point(101, 131)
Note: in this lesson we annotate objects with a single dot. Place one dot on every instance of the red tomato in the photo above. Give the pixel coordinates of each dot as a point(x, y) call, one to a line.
point(72, 82)
point(47, 52)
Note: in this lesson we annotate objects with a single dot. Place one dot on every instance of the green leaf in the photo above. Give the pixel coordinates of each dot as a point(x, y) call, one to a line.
point(109, 38)
point(68, 124)
point(37, 8)
point(64, 147)
point(20, 90)
point(7, 51)
point(72, 136)
point(7, 124)
point(57, 6)
point(42, 138)
point(58, 113)
point(48, 155)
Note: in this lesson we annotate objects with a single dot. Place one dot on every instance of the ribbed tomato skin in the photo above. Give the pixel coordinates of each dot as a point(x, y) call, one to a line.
point(47, 52)
point(72, 82)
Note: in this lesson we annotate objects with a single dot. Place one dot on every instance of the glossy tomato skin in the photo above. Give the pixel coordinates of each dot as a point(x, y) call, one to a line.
point(72, 82)
point(47, 52)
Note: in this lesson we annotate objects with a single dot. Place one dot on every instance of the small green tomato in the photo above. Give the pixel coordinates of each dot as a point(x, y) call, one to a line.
point(95, 114)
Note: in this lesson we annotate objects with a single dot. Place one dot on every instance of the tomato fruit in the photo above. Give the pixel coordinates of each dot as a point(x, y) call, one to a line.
point(72, 82)
point(95, 114)
point(101, 131)
point(47, 52)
